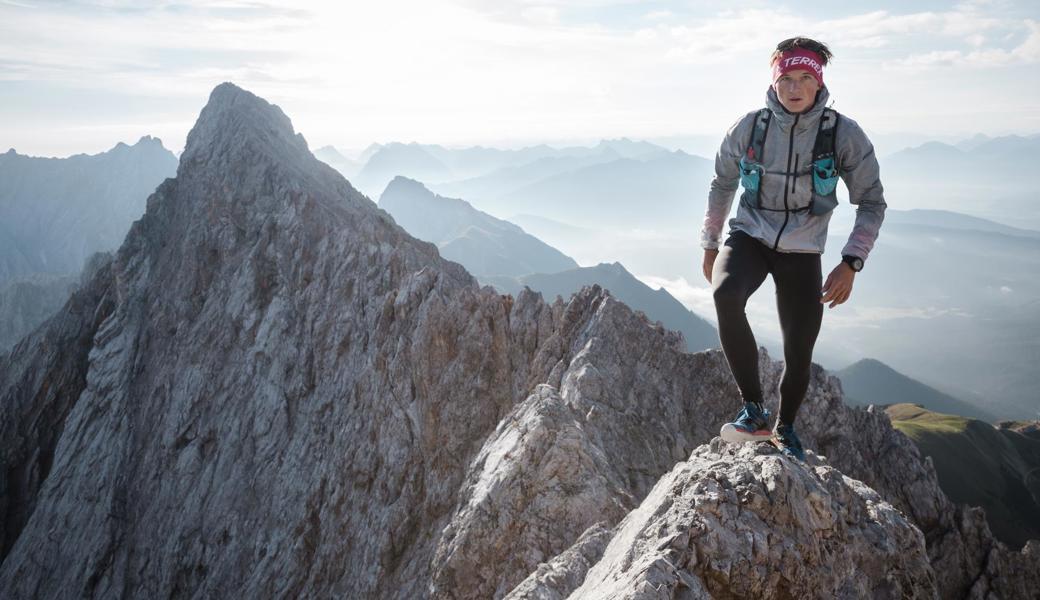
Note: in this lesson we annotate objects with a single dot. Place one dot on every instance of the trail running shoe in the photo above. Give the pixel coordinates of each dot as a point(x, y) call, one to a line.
point(751, 425)
point(787, 441)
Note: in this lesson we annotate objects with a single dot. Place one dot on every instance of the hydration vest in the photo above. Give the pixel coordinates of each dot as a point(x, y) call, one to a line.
point(824, 166)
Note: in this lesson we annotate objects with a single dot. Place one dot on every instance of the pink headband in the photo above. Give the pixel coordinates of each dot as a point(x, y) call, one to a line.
point(798, 58)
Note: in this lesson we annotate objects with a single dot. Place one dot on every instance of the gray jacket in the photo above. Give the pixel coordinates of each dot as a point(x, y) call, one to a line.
point(795, 231)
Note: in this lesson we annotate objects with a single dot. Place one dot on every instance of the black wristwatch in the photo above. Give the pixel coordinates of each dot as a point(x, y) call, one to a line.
point(853, 261)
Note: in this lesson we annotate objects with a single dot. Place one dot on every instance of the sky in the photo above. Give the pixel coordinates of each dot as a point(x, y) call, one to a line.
point(80, 76)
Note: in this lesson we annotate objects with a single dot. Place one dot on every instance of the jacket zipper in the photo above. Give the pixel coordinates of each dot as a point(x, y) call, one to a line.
point(794, 175)
point(787, 173)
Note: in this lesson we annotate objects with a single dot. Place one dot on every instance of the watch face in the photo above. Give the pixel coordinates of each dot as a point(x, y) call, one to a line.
point(857, 263)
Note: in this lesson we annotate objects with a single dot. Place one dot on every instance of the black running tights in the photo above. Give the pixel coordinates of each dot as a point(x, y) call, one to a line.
point(740, 268)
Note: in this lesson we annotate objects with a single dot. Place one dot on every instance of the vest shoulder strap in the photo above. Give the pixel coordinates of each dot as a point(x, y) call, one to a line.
point(759, 130)
point(824, 146)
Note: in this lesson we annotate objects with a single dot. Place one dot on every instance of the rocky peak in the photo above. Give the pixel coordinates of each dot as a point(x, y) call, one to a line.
point(236, 124)
point(741, 521)
point(405, 185)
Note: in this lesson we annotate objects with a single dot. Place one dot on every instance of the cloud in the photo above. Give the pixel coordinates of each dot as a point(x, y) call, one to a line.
point(545, 15)
point(658, 15)
point(1025, 53)
point(467, 71)
point(696, 298)
point(875, 317)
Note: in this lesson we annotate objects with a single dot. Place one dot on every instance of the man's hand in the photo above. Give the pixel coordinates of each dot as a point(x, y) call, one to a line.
point(838, 286)
point(709, 262)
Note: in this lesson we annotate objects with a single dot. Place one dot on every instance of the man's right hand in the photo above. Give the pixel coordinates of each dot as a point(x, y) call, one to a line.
point(709, 262)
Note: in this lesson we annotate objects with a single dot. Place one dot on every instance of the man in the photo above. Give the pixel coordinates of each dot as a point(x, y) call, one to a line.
point(788, 158)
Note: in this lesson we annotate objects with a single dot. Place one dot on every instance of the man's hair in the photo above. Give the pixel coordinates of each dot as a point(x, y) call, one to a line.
point(804, 43)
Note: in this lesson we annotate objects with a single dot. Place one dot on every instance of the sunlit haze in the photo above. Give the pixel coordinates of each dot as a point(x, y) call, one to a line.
point(80, 76)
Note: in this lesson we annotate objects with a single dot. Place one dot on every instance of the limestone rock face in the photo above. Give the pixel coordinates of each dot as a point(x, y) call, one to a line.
point(745, 522)
point(271, 390)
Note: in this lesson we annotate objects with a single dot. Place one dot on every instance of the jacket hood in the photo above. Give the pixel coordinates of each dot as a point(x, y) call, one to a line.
point(809, 118)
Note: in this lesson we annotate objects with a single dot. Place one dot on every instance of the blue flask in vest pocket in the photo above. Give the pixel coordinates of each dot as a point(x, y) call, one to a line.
point(751, 179)
point(825, 182)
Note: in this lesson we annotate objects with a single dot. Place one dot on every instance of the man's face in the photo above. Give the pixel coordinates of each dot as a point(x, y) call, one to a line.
point(796, 90)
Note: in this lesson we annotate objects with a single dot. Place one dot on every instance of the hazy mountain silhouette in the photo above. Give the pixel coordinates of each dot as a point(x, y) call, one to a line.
point(973, 142)
point(984, 179)
point(478, 172)
point(871, 381)
point(28, 301)
point(624, 193)
point(407, 160)
point(557, 228)
point(56, 212)
point(481, 243)
point(335, 159)
point(953, 220)
point(952, 307)
point(511, 178)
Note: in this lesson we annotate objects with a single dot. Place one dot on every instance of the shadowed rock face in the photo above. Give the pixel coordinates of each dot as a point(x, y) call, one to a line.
point(26, 303)
point(272, 390)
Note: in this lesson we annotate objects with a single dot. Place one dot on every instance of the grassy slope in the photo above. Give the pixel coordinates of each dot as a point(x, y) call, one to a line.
point(981, 465)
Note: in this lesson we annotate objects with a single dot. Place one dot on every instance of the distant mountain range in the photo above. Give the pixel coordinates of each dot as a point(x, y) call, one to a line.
point(997, 468)
point(956, 306)
point(405, 160)
point(435, 164)
point(511, 178)
point(983, 177)
point(332, 157)
point(660, 191)
point(29, 301)
point(56, 212)
point(953, 220)
point(871, 381)
point(483, 244)
point(503, 255)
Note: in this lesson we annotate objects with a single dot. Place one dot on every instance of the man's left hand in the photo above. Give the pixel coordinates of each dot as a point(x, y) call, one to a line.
point(838, 286)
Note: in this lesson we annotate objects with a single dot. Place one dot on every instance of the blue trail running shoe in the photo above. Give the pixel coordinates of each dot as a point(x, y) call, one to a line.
point(751, 425)
point(787, 441)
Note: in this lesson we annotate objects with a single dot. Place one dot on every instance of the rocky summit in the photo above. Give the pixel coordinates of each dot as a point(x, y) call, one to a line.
point(271, 390)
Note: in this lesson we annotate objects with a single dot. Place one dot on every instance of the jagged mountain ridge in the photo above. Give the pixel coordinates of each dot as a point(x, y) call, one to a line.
point(271, 389)
point(56, 212)
point(483, 244)
point(335, 159)
point(658, 304)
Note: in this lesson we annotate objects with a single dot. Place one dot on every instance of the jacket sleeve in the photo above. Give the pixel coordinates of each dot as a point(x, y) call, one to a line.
point(724, 183)
point(862, 175)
